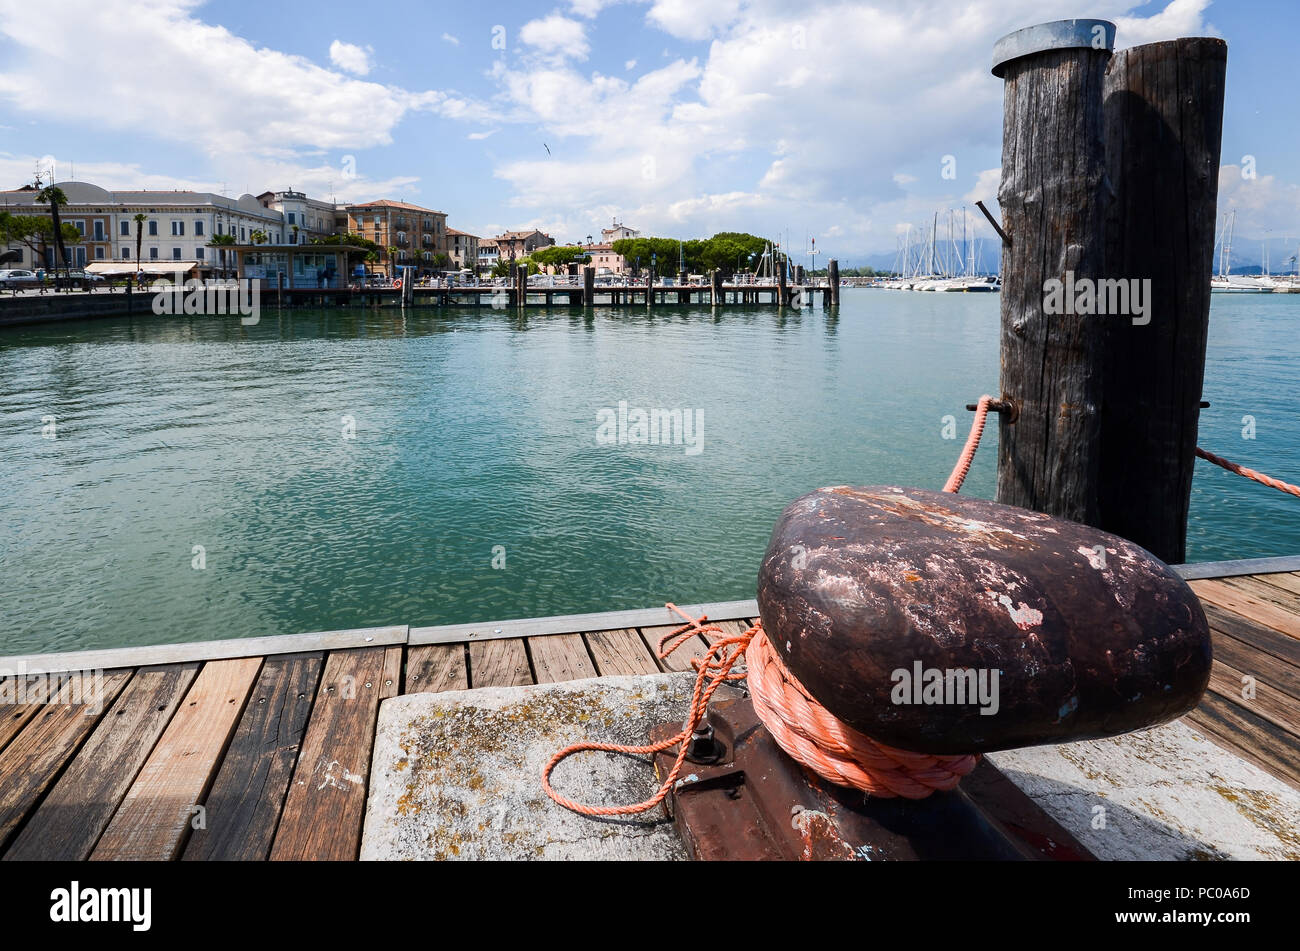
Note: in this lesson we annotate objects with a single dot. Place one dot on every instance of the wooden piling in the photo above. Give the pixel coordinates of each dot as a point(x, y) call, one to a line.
point(715, 287)
point(1163, 113)
point(589, 286)
point(782, 296)
point(1054, 196)
point(650, 288)
point(833, 280)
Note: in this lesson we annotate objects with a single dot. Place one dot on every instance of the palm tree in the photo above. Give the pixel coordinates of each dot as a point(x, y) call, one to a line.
point(392, 261)
point(258, 237)
point(222, 241)
point(140, 219)
point(54, 197)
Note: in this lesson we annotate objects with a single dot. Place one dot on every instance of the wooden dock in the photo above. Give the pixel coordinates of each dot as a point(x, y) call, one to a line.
point(260, 748)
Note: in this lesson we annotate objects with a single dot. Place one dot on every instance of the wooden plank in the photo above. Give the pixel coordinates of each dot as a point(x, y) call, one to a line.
point(33, 760)
point(1250, 736)
point(242, 809)
point(1268, 703)
point(1261, 665)
point(326, 802)
point(574, 623)
point(68, 823)
point(258, 647)
point(21, 697)
point(693, 648)
point(560, 657)
point(155, 816)
point(1268, 593)
point(1284, 580)
point(1257, 635)
point(621, 653)
point(1248, 606)
point(499, 663)
point(436, 668)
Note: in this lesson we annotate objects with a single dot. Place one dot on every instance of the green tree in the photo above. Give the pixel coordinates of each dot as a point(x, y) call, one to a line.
point(222, 241)
point(139, 219)
point(559, 256)
point(53, 196)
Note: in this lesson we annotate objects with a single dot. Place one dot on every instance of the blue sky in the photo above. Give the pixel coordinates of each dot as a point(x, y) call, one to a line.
point(680, 117)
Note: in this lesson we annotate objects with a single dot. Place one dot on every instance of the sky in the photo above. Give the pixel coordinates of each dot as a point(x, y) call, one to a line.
point(834, 120)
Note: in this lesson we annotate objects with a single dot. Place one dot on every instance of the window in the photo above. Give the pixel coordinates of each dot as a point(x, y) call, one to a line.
point(219, 226)
point(99, 254)
point(176, 254)
point(198, 254)
point(126, 229)
point(198, 229)
point(153, 228)
point(178, 228)
point(99, 231)
point(153, 254)
point(293, 219)
point(80, 226)
point(242, 236)
point(126, 254)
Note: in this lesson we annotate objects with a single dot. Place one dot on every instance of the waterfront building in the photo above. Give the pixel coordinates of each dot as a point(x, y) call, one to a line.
point(605, 260)
point(414, 233)
point(519, 244)
point(463, 248)
point(489, 252)
point(617, 233)
point(305, 219)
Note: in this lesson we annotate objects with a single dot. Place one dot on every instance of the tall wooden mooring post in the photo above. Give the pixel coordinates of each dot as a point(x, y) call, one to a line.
point(1109, 183)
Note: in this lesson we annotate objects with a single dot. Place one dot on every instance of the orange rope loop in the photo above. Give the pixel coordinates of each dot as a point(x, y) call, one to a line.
point(972, 443)
point(1249, 473)
point(801, 726)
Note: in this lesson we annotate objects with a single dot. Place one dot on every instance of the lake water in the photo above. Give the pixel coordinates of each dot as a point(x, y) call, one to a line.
point(475, 440)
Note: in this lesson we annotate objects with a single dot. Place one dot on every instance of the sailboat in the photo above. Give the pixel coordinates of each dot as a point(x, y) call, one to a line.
point(1226, 282)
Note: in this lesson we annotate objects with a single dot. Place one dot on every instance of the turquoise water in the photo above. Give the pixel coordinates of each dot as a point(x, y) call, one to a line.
point(476, 441)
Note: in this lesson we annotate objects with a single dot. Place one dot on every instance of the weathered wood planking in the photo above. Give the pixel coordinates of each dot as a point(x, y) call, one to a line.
point(1271, 704)
point(20, 699)
point(693, 648)
point(70, 820)
point(621, 653)
point(242, 809)
point(326, 802)
point(1249, 736)
point(560, 657)
point(1248, 606)
point(157, 811)
point(31, 762)
point(1260, 637)
point(1285, 581)
point(499, 663)
point(1264, 667)
point(436, 668)
point(1287, 601)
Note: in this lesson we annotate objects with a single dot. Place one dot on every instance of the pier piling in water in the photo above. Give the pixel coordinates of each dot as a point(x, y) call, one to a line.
point(833, 281)
point(1163, 111)
point(1109, 183)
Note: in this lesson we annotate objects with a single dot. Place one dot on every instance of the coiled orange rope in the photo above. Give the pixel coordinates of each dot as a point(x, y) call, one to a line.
point(800, 725)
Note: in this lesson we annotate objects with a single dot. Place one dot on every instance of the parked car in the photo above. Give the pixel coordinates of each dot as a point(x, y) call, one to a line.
point(16, 278)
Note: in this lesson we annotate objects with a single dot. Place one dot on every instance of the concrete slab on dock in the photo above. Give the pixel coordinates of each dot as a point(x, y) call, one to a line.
point(457, 775)
point(1163, 794)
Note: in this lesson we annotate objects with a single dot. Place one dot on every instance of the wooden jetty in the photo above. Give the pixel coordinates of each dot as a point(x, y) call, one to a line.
point(260, 748)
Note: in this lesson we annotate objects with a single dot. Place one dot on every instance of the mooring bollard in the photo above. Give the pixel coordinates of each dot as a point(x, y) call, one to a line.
point(1163, 114)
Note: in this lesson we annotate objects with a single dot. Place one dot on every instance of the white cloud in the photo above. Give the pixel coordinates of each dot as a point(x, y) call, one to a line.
point(556, 37)
point(351, 58)
point(902, 178)
point(1179, 18)
point(453, 40)
point(476, 136)
point(693, 19)
point(986, 186)
point(630, 64)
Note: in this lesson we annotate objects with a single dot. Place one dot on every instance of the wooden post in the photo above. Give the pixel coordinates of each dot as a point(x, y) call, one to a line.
point(521, 285)
point(715, 287)
point(1164, 124)
point(650, 288)
point(833, 280)
point(589, 286)
point(781, 298)
point(1054, 199)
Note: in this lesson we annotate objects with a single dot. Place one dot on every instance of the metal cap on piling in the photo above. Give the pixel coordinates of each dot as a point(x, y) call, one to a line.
point(1057, 35)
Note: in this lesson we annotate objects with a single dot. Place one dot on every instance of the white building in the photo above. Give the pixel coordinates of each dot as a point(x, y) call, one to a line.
point(617, 233)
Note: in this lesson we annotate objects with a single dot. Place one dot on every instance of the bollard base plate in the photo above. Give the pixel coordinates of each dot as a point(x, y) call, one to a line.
point(758, 803)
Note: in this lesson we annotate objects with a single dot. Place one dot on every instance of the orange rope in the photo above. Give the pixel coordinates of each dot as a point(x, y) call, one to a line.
point(801, 726)
point(972, 443)
point(1249, 473)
